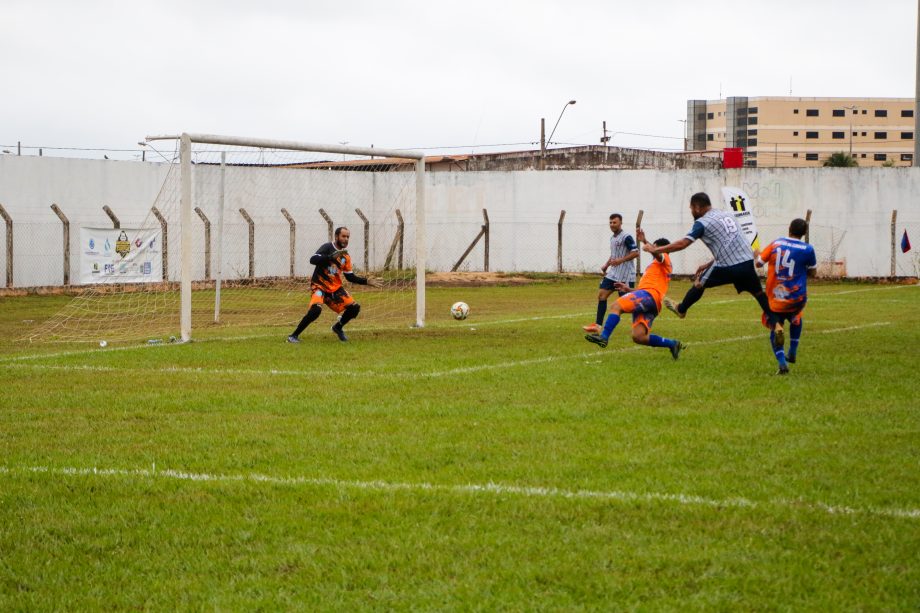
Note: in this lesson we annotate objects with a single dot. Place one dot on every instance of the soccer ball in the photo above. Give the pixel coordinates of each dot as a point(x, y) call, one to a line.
point(102, 343)
point(460, 310)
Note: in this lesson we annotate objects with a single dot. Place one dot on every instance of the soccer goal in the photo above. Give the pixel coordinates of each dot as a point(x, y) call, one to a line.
point(230, 235)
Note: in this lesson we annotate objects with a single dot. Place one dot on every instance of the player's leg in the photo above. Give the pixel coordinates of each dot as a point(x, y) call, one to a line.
point(348, 309)
point(622, 305)
point(795, 333)
point(711, 277)
point(642, 330)
point(603, 292)
point(776, 342)
point(312, 313)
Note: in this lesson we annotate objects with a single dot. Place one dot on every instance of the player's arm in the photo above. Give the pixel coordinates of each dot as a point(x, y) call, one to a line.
point(631, 248)
point(679, 245)
point(353, 278)
point(640, 236)
point(323, 255)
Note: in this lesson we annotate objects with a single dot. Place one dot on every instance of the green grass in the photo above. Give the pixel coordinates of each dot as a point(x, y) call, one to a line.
point(497, 463)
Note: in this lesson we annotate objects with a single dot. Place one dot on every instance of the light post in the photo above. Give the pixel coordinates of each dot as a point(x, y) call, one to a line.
point(851, 108)
point(143, 152)
point(684, 121)
point(550, 139)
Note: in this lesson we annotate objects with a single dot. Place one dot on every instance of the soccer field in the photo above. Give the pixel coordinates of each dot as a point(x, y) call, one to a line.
point(501, 462)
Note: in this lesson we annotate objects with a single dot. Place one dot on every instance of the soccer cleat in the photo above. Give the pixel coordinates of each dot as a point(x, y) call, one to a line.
point(593, 328)
point(338, 331)
point(672, 306)
point(597, 339)
point(783, 370)
point(779, 336)
point(676, 349)
point(791, 358)
point(293, 339)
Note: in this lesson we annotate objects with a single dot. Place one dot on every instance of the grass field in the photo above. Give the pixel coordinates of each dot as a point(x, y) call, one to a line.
point(497, 463)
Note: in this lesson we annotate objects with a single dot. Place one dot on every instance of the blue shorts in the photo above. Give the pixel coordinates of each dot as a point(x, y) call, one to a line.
point(643, 307)
point(607, 284)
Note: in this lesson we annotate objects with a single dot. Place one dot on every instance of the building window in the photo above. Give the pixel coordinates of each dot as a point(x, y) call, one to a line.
point(811, 112)
point(752, 121)
point(881, 113)
point(907, 113)
point(907, 157)
point(795, 111)
point(795, 133)
point(855, 133)
point(710, 115)
point(855, 111)
point(709, 137)
point(811, 135)
point(751, 154)
point(701, 116)
point(839, 113)
point(752, 110)
point(752, 132)
point(863, 156)
point(811, 157)
point(880, 157)
point(863, 134)
point(907, 136)
point(838, 135)
point(752, 142)
point(864, 111)
point(881, 135)
point(795, 155)
point(751, 163)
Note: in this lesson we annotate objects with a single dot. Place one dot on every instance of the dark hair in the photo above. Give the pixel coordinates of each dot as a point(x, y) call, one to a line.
point(339, 230)
point(798, 228)
point(700, 199)
point(661, 242)
point(616, 216)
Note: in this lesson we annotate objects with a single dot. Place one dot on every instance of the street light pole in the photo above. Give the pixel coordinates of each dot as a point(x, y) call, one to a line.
point(550, 139)
point(853, 109)
point(684, 121)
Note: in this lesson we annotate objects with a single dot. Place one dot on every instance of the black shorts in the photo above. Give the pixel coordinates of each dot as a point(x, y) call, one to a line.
point(743, 276)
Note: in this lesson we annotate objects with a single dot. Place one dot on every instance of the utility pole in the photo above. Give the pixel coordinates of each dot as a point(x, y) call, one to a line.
point(543, 134)
point(916, 159)
point(605, 139)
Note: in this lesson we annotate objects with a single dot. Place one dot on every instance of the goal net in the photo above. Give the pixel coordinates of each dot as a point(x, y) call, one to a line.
point(231, 233)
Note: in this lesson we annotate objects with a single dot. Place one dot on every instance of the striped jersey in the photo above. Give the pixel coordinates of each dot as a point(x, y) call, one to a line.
point(722, 234)
point(621, 245)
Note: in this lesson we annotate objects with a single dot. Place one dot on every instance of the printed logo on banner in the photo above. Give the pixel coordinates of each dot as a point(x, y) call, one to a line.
point(107, 248)
point(122, 245)
point(95, 270)
point(92, 243)
point(138, 242)
point(146, 269)
point(109, 269)
point(153, 242)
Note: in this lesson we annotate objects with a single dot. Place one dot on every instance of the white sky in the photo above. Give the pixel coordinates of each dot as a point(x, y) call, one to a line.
point(426, 74)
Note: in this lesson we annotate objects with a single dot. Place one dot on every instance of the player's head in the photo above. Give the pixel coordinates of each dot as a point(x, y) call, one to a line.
point(616, 222)
point(661, 242)
point(798, 228)
point(342, 234)
point(699, 204)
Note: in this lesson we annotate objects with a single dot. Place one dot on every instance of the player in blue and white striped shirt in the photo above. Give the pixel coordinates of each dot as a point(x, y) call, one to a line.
point(617, 269)
point(733, 260)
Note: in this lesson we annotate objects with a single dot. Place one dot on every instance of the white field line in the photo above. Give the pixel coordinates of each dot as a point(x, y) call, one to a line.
point(595, 354)
point(357, 328)
point(470, 489)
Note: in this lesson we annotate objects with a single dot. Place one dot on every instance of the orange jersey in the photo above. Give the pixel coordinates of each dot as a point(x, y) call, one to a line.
point(657, 278)
point(328, 277)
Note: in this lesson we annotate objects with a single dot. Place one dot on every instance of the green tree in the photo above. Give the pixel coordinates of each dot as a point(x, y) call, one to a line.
point(841, 160)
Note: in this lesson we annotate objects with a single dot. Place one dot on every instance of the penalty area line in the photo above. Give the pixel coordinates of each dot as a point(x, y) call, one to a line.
point(489, 488)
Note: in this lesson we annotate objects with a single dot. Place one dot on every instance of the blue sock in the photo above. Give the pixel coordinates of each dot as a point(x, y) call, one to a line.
point(612, 320)
point(795, 332)
point(779, 353)
point(601, 310)
point(656, 341)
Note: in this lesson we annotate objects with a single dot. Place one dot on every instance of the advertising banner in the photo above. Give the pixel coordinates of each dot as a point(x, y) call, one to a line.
point(120, 255)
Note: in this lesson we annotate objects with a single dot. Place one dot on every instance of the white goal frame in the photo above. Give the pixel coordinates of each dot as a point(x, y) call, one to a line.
point(186, 206)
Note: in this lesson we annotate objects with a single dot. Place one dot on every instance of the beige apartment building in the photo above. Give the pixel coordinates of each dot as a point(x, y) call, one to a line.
point(804, 132)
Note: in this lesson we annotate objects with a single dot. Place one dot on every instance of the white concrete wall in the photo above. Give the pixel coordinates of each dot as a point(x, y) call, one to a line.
point(524, 207)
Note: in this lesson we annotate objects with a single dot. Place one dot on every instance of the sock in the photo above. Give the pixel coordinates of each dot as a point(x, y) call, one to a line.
point(612, 320)
point(601, 310)
point(350, 312)
point(779, 353)
point(308, 319)
point(795, 332)
point(693, 294)
point(656, 341)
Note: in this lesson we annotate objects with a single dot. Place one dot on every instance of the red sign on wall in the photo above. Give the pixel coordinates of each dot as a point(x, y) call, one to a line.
point(732, 157)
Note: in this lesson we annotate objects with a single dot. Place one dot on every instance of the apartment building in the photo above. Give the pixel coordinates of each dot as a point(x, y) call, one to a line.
point(804, 132)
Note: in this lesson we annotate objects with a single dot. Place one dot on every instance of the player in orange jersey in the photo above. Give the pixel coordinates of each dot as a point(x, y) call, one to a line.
point(644, 303)
point(332, 261)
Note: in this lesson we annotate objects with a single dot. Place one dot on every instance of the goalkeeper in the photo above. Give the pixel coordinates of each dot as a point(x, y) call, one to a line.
point(332, 261)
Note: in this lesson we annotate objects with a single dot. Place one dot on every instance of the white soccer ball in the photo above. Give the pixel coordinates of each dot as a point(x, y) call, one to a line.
point(460, 310)
point(102, 343)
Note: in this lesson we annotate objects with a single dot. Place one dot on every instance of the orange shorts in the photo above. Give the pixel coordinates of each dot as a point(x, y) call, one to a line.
point(793, 317)
point(337, 300)
point(642, 305)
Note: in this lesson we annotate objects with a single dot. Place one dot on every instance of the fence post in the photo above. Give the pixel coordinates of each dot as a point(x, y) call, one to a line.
point(9, 245)
point(559, 242)
point(397, 242)
point(894, 240)
point(163, 226)
point(292, 241)
point(207, 242)
point(252, 243)
point(329, 223)
point(115, 222)
point(401, 234)
point(367, 239)
point(808, 225)
point(485, 233)
point(639, 252)
point(66, 222)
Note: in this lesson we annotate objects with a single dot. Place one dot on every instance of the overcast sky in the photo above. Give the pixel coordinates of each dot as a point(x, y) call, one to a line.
point(447, 76)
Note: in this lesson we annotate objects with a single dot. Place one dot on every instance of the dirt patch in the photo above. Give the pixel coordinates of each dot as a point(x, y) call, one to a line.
point(477, 279)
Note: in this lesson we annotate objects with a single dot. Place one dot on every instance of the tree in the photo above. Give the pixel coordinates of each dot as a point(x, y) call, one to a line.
point(841, 160)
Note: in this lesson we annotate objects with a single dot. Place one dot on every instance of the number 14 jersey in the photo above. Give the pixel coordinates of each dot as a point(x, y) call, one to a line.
point(788, 261)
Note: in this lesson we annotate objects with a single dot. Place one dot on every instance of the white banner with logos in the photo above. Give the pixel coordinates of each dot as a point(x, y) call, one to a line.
point(120, 255)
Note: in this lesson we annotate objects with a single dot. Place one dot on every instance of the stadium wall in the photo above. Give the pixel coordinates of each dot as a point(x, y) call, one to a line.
point(851, 212)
